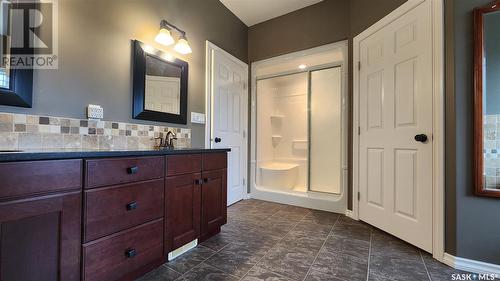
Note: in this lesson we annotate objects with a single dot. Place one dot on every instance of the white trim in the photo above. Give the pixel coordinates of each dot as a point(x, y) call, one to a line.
point(209, 48)
point(438, 221)
point(438, 112)
point(182, 250)
point(298, 54)
point(350, 214)
point(471, 265)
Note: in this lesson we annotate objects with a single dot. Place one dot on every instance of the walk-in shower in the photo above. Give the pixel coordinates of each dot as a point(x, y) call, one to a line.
point(299, 128)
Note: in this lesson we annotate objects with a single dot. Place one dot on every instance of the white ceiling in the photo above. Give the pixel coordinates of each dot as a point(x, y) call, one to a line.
point(255, 11)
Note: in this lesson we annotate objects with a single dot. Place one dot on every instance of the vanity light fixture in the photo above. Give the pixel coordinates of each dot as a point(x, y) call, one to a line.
point(182, 46)
point(164, 37)
point(302, 66)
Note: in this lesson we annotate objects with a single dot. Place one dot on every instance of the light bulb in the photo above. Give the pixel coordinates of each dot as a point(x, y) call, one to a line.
point(164, 37)
point(182, 46)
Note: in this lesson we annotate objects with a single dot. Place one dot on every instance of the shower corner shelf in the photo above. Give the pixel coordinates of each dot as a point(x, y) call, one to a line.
point(276, 137)
point(277, 116)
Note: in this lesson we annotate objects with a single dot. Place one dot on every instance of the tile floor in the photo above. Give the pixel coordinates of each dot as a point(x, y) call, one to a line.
point(270, 241)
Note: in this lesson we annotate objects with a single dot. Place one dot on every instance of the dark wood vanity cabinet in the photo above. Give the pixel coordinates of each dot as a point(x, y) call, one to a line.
point(183, 213)
point(195, 198)
point(123, 217)
point(40, 220)
point(213, 202)
point(106, 218)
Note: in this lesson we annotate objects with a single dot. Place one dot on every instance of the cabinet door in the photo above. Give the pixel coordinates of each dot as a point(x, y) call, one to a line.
point(182, 205)
point(213, 202)
point(40, 238)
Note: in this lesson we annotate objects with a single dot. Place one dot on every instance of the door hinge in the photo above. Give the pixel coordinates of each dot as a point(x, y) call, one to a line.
point(359, 130)
point(359, 195)
point(359, 65)
point(244, 181)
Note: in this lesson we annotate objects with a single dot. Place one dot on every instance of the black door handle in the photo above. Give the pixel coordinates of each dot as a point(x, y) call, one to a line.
point(217, 140)
point(421, 138)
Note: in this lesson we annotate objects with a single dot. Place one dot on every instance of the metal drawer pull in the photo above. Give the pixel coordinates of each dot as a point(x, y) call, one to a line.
point(198, 181)
point(205, 180)
point(130, 253)
point(133, 170)
point(131, 206)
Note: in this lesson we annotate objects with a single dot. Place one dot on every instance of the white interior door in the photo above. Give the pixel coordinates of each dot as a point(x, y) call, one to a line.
point(395, 103)
point(229, 119)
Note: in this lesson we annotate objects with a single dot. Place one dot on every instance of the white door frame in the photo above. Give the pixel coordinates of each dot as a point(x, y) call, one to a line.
point(438, 119)
point(209, 49)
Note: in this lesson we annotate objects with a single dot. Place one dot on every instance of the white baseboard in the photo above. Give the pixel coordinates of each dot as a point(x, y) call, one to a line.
point(350, 214)
point(181, 250)
point(471, 265)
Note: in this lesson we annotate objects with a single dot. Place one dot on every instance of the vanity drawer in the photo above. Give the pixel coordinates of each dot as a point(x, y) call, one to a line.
point(36, 177)
point(183, 164)
point(214, 161)
point(115, 256)
point(112, 209)
point(102, 172)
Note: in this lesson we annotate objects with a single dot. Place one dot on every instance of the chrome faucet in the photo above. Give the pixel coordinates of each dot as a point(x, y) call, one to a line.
point(169, 139)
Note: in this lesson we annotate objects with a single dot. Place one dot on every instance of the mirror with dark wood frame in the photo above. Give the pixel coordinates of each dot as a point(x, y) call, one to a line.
point(160, 86)
point(487, 100)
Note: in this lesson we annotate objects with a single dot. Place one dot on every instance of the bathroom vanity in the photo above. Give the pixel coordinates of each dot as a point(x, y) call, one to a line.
point(105, 215)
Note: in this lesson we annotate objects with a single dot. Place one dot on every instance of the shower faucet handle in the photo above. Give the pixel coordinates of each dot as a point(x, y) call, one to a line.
point(217, 139)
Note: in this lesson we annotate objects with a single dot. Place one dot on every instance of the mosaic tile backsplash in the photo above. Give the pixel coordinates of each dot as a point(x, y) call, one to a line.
point(21, 131)
point(491, 151)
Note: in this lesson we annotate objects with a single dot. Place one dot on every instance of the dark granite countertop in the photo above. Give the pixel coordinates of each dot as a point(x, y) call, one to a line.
point(52, 154)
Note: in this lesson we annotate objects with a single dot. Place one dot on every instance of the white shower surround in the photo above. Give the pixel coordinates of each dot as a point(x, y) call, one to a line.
point(330, 55)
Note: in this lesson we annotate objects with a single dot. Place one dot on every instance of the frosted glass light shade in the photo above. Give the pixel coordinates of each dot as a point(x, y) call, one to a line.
point(164, 37)
point(183, 47)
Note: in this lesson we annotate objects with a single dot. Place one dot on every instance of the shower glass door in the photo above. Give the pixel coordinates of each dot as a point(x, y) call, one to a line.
point(299, 132)
point(325, 130)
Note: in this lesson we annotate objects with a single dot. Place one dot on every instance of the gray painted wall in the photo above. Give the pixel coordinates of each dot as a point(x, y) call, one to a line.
point(477, 232)
point(313, 26)
point(95, 54)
